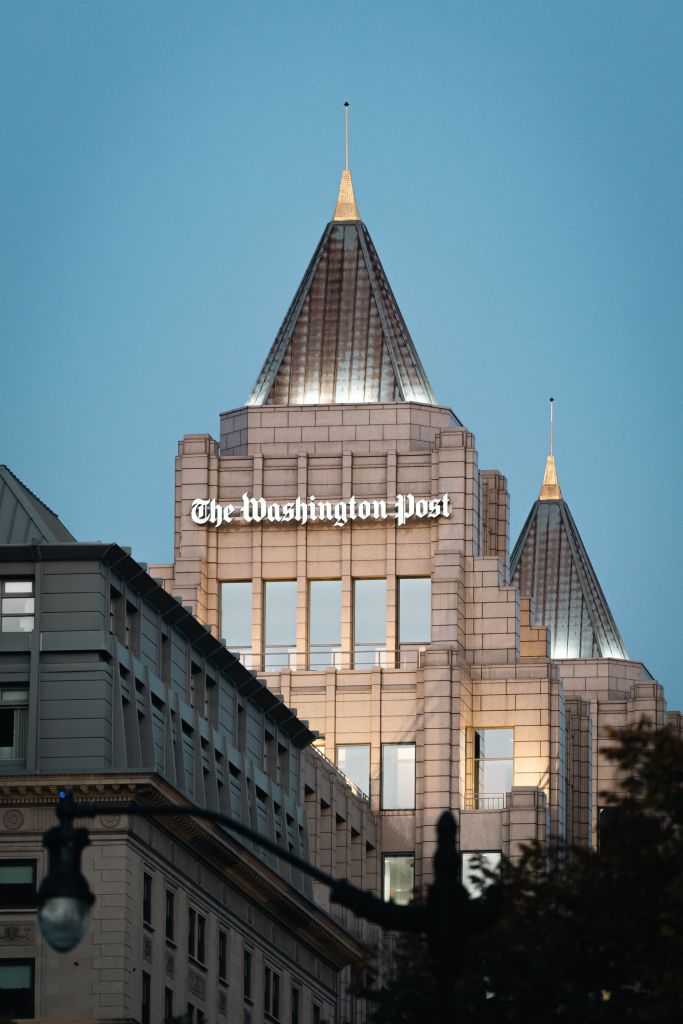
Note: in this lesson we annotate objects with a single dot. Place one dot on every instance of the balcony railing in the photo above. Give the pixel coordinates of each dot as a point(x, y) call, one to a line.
point(349, 782)
point(485, 801)
point(321, 659)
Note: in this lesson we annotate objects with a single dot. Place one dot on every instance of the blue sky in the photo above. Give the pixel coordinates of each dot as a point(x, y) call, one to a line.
point(167, 171)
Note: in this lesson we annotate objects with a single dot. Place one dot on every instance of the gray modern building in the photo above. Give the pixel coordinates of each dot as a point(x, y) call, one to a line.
point(109, 686)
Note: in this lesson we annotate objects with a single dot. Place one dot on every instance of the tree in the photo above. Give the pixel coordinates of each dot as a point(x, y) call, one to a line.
point(582, 935)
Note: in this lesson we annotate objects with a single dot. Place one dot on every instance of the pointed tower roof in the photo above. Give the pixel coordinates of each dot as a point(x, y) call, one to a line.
point(24, 518)
point(343, 338)
point(551, 565)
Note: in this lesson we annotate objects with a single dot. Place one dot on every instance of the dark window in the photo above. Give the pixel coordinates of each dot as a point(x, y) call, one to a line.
point(168, 1005)
point(17, 991)
point(200, 1016)
point(296, 1003)
point(201, 938)
point(222, 955)
point(17, 883)
point(317, 1017)
point(170, 915)
point(17, 606)
point(13, 724)
point(272, 992)
point(165, 658)
point(196, 936)
point(275, 1004)
point(117, 618)
point(189, 1018)
point(146, 997)
point(147, 898)
point(191, 932)
point(247, 974)
point(132, 628)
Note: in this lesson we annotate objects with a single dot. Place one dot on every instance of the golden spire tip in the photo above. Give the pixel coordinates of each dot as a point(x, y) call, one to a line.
point(550, 488)
point(346, 208)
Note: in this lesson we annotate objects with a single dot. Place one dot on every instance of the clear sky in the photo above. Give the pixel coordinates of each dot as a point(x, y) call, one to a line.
point(167, 169)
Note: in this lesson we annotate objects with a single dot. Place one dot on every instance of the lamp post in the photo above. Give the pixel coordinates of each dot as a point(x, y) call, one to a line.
point(64, 898)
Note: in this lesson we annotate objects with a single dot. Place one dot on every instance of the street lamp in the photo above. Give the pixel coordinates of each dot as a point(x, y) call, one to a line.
point(446, 918)
point(64, 898)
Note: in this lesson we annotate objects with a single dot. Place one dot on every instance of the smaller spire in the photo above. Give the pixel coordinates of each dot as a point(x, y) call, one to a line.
point(346, 208)
point(550, 489)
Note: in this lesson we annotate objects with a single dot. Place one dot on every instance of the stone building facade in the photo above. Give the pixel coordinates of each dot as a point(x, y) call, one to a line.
point(346, 510)
point(109, 686)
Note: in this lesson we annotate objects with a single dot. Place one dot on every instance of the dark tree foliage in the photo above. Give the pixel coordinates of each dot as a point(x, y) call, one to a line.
point(582, 935)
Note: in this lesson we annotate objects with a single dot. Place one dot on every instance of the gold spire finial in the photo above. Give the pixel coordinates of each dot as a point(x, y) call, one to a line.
point(550, 488)
point(346, 208)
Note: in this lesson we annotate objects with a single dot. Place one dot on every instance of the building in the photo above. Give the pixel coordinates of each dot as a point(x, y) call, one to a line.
point(108, 685)
point(342, 539)
point(341, 536)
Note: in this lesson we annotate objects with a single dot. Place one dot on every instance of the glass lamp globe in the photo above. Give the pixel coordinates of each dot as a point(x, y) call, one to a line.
point(63, 921)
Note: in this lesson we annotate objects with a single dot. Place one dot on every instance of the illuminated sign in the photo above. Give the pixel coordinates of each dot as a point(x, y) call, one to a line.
point(404, 507)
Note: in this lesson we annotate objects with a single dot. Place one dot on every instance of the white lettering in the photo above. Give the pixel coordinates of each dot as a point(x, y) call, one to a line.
point(303, 510)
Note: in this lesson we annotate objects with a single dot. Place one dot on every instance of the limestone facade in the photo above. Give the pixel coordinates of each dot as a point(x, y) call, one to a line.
point(486, 665)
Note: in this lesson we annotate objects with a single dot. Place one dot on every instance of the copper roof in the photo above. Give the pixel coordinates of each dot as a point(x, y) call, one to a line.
point(551, 565)
point(343, 338)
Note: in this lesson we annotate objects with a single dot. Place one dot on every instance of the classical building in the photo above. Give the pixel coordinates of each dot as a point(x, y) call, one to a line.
point(342, 537)
point(109, 686)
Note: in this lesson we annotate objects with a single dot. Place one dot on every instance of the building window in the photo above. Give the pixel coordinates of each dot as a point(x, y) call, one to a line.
point(324, 623)
point(200, 1016)
point(354, 760)
point(132, 637)
point(168, 1005)
point(317, 1014)
point(147, 899)
point(399, 877)
point(170, 915)
point(17, 606)
point(146, 998)
point(236, 616)
point(17, 884)
point(369, 622)
point(295, 1015)
point(472, 876)
point(279, 634)
point(196, 936)
point(271, 984)
point(247, 974)
point(222, 955)
point(13, 724)
point(17, 988)
point(414, 618)
point(491, 767)
point(398, 776)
